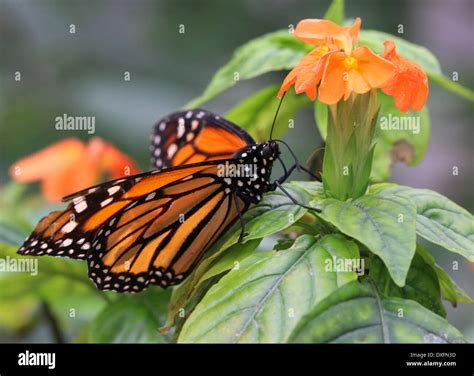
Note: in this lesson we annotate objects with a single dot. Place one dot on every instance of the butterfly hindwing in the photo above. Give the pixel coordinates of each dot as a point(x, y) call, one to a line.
point(194, 136)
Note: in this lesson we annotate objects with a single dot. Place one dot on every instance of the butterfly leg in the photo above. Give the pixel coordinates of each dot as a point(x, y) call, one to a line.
point(241, 218)
point(297, 163)
point(278, 184)
point(287, 172)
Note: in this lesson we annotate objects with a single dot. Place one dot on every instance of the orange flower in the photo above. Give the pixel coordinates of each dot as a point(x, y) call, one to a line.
point(409, 85)
point(328, 37)
point(70, 165)
point(335, 65)
point(359, 72)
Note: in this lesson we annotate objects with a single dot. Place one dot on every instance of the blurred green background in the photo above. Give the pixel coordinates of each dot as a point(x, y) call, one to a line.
point(82, 74)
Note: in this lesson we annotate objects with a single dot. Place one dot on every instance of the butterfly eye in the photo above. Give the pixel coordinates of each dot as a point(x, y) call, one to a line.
point(269, 150)
point(266, 151)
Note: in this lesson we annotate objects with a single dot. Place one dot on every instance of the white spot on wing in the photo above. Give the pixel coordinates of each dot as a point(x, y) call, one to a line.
point(106, 202)
point(172, 150)
point(66, 243)
point(150, 196)
point(68, 227)
point(113, 190)
point(81, 206)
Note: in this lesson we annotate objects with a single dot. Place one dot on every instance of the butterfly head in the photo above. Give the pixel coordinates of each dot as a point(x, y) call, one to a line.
point(270, 150)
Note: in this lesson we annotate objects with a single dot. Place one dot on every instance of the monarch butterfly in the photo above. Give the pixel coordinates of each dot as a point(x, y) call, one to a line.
point(152, 228)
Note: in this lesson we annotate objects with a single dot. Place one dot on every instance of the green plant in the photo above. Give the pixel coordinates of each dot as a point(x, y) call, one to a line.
point(356, 272)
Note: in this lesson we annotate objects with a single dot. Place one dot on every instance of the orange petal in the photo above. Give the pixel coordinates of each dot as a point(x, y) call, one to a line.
point(409, 85)
point(353, 30)
point(389, 52)
point(50, 161)
point(355, 83)
point(289, 80)
point(333, 86)
point(423, 92)
point(375, 70)
point(317, 31)
point(116, 163)
point(307, 74)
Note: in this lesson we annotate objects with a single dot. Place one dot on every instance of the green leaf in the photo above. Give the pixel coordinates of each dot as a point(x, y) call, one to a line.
point(42, 277)
point(271, 52)
point(275, 212)
point(422, 284)
point(335, 12)
point(439, 220)
point(401, 137)
point(263, 299)
point(256, 113)
point(127, 320)
point(231, 259)
point(450, 291)
point(313, 188)
point(186, 296)
point(217, 260)
point(62, 284)
point(382, 222)
point(358, 313)
point(421, 55)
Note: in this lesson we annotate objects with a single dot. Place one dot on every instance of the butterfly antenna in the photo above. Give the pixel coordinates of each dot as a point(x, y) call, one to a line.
point(276, 114)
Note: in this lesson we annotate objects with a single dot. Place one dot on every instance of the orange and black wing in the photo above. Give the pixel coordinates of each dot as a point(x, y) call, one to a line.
point(195, 136)
point(145, 229)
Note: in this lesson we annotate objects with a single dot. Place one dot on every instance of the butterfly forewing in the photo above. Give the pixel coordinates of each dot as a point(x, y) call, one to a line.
point(195, 136)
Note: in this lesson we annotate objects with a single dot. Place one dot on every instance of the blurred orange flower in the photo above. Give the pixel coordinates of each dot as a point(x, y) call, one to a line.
point(71, 165)
point(409, 86)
